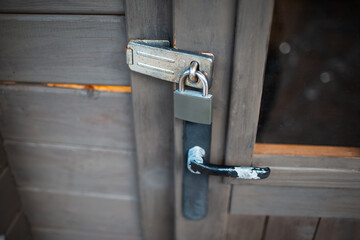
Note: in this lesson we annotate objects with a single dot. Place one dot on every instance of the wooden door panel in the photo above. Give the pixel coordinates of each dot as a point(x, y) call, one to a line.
point(245, 227)
point(83, 49)
point(73, 168)
point(294, 228)
point(295, 201)
point(306, 171)
point(63, 6)
point(338, 229)
point(68, 116)
point(206, 26)
point(152, 101)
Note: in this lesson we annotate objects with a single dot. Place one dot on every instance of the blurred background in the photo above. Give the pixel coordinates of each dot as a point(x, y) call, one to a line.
point(311, 89)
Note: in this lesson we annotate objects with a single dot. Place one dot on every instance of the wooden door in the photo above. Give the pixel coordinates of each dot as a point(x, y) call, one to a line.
point(312, 191)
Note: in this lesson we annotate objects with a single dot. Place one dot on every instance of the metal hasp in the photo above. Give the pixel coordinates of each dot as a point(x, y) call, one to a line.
point(155, 58)
point(196, 165)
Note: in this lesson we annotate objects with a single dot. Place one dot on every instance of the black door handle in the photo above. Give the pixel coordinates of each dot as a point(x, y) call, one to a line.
point(196, 165)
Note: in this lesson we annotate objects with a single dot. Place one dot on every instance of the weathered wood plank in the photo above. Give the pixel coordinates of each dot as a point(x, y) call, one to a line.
point(72, 168)
point(297, 171)
point(66, 234)
point(3, 161)
point(68, 116)
point(9, 200)
point(244, 227)
point(252, 36)
point(19, 229)
point(81, 211)
point(63, 6)
point(153, 119)
point(338, 229)
point(290, 201)
point(206, 26)
point(63, 48)
point(294, 228)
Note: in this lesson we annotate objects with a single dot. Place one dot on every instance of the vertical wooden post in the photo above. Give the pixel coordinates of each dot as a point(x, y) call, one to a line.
point(251, 40)
point(153, 118)
point(206, 26)
point(252, 35)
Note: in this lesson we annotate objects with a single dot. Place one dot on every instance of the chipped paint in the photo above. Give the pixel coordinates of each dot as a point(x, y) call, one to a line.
point(195, 154)
point(196, 165)
point(246, 173)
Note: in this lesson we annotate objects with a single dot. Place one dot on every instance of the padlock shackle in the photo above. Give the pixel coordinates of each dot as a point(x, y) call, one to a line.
point(200, 76)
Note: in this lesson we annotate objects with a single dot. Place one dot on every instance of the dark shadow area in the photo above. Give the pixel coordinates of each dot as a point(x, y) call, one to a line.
point(311, 91)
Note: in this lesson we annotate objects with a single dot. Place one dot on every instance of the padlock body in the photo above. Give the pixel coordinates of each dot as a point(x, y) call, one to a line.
point(192, 106)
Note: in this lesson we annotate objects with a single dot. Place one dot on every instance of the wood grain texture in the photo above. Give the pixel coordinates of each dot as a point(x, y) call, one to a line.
point(53, 115)
point(245, 227)
point(9, 200)
point(63, 49)
point(19, 229)
point(63, 6)
point(206, 26)
point(3, 161)
point(306, 150)
point(252, 36)
point(73, 168)
point(81, 211)
point(290, 201)
point(338, 229)
point(298, 171)
point(66, 234)
point(294, 228)
point(152, 101)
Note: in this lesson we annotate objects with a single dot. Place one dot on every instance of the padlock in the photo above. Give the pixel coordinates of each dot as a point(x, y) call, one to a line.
point(190, 105)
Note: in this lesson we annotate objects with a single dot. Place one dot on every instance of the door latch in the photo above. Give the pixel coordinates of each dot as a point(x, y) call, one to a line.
point(196, 165)
point(155, 58)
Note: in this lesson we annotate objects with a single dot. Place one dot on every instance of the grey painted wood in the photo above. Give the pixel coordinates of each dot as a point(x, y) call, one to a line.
point(338, 229)
point(81, 211)
point(9, 200)
point(245, 227)
point(292, 201)
point(19, 229)
point(63, 6)
point(65, 234)
point(252, 36)
point(297, 171)
point(54, 115)
point(3, 161)
point(73, 168)
point(206, 26)
point(294, 228)
point(153, 115)
point(63, 49)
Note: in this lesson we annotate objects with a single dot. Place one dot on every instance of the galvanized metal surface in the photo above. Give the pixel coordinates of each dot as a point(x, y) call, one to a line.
point(156, 59)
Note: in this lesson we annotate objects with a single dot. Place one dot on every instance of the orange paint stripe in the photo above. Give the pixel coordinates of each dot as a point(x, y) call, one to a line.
point(101, 88)
point(306, 150)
